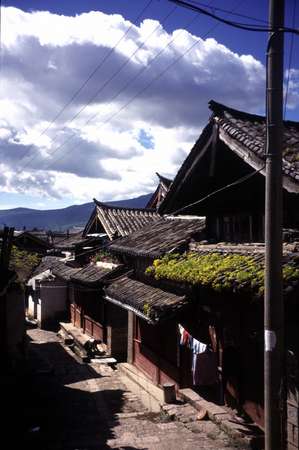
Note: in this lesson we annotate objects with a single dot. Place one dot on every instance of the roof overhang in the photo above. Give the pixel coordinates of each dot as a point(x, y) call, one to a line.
point(129, 308)
point(152, 303)
point(254, 161)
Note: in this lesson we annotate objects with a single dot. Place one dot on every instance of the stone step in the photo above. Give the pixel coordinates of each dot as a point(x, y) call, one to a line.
point(81, 353)
point(103, 360)
point(247, 435)
point(80, 338)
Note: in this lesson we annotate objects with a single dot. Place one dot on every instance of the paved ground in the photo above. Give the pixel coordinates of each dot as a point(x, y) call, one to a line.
point(87, 407)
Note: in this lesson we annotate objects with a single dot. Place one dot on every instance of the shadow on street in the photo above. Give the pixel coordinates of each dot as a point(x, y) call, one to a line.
point(50, 407)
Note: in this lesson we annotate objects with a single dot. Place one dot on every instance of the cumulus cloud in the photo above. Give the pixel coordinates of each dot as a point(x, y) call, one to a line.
point(113, 148)
point(37, 183)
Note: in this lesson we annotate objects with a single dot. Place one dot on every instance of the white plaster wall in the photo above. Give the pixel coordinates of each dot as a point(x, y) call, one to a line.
point(31, 307)
point(52, 301)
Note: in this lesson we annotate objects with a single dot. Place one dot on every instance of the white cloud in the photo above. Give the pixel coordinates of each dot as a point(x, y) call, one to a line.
point(105, 158)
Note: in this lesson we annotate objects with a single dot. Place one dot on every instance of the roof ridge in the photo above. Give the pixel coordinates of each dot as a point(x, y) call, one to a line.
point(217, 108)
point(163, 178)
point(123, 208)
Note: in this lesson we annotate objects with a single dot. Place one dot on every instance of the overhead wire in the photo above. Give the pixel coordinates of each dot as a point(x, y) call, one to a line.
point(129, 82)
point(246, 177)
point(94, 71)
point(239, 25)
point(140, 92)
point(237, 182)
point(211, 194)
point(107, 82)
point(226, 11)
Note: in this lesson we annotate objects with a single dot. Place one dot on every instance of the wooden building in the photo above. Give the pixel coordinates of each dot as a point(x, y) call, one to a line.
point(78, 247)
point(223, 179)
point(160, 192)
point(32, 243)
point(115, 221)
point(227, 289)
point(226, 168)
point(153, 315)
point(48, 292)
point(154, 309)
point(91, 314)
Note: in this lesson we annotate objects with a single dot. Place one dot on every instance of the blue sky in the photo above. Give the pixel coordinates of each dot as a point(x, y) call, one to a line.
point(47, 56)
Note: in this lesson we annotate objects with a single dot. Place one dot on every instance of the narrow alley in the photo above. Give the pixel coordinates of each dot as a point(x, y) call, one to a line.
point(74, 406)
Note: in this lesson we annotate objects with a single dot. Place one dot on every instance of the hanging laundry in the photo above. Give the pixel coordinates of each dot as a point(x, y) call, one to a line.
point(197, 348)
point(185, 336)
point(204, 359)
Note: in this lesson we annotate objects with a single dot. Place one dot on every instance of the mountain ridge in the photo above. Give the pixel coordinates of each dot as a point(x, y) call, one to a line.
point(62, 218)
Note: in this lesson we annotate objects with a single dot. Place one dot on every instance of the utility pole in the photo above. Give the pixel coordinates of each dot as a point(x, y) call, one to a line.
point(274, 359)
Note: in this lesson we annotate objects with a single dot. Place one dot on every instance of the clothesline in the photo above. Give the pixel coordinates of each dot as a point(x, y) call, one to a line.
point(204, 359)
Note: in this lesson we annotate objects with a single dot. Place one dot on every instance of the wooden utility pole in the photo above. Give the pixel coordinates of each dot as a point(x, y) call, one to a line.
point(273, 307)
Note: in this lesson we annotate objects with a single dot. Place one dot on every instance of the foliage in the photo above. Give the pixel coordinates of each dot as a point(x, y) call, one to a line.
point(23, 262)
point(147, 309)
point(218, 271)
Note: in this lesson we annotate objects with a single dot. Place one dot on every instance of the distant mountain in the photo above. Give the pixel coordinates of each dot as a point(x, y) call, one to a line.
point(60, 219)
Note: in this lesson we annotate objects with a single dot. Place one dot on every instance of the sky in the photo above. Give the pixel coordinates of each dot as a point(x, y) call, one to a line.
point(98, 96)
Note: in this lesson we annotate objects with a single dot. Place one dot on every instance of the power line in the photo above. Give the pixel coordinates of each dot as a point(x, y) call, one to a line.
point(119, 69)
point(129, 82)
point(241, 26)
point(226, 11)
point(123, 65)
point(290, 61)
point(95, 70)
point(140, 91)
point(234, 183)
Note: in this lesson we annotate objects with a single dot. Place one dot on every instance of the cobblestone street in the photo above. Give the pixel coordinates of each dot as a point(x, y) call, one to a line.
point(82, 407)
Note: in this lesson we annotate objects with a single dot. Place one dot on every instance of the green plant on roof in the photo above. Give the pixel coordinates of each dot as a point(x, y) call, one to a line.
point(104, 256)
point(218, 271)
point(146, 309)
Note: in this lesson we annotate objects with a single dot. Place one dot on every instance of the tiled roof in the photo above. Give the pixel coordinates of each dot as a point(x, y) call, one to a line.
point(47, 262)
point(91, 274)
point(63, 271)
point(160, 237)
point(118, 221)
point(164, 180)
point(160, 192)
point(72, 240)
point(242, 133)
point(246, 135)
point(186, 169)
point(57, 266)
point(151, 303)
point(42, 240)
point(256, 252)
